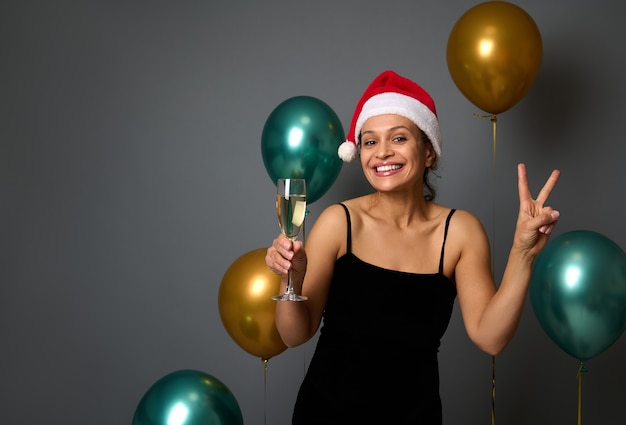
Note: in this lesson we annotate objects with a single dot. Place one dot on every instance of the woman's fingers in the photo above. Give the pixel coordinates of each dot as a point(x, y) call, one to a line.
point(522, 183)
point(524, 190)
point(545, 191)
point(278, 256)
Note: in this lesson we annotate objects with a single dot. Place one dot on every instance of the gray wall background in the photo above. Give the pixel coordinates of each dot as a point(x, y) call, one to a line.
point(131, 178)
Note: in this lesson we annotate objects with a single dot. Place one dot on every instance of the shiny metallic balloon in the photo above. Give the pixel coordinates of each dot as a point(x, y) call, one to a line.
point(300, 140)
point(246, 306)
point(494, 55)
point(188, 397)
point(578, 292)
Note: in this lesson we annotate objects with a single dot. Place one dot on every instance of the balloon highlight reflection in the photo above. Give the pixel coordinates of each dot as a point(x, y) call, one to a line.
point(300, 140)
point(494, 54)
point(188, 397)
point(578, 292)
point(246, 306)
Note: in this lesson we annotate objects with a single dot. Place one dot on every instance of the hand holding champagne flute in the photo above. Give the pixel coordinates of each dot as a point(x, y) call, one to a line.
point(291, 210)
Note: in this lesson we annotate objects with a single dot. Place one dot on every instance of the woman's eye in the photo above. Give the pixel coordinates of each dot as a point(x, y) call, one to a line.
point(399, 139)
point(369, 142)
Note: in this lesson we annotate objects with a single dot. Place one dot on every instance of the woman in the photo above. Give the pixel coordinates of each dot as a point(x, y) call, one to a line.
point(383, 271)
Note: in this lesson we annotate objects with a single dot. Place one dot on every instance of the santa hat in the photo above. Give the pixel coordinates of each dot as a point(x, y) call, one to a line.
point(391, 93)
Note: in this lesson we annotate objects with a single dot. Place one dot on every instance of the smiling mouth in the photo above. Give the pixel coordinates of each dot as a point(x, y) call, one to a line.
point(386, 168)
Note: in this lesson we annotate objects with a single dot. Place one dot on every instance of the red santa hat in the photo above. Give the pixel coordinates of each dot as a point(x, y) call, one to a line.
point(391, 93)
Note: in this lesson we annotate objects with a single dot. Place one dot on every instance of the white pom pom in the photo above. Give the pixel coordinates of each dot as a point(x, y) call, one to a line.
point(347, 151)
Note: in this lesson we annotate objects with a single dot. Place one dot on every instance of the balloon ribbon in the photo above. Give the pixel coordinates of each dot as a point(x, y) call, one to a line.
point(264, 360)
point(579, 377)
point(493, 389)
point(494, 121)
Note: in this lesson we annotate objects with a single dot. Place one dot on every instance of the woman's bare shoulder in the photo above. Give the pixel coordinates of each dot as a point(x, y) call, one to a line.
point(357, 206)
point(338, 210)
point(332, 219)
point(466, 218)
point(333, 212)
point(328, 234)
point(466, 226)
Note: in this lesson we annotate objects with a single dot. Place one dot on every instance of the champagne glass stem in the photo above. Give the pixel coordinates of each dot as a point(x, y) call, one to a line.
point(289, 285)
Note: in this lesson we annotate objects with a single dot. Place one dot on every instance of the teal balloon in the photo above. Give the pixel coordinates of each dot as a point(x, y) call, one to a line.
point(578, 292)
point(188, 397)
point(300, 140)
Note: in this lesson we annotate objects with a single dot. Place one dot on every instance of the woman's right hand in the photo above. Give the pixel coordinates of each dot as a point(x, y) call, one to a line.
point(284, 255)
point(292, 318)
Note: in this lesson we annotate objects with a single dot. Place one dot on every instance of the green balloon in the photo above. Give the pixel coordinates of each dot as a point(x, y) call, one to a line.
point(578, 292)
point(188, 397)
point(300, 140)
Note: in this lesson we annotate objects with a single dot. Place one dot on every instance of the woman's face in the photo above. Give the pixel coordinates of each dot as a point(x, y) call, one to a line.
point(393, 153)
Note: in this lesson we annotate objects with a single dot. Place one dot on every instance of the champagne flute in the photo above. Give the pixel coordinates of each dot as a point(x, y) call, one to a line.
point(291, 209)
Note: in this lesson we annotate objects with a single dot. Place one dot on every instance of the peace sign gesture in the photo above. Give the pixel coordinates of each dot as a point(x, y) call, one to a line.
point(535, 220)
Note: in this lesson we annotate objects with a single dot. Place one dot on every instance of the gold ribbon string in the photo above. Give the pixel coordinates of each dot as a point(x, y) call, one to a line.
point(493, 389)
point(579, 377)
point(264, 390)
point(494, 121)
point(306, 214)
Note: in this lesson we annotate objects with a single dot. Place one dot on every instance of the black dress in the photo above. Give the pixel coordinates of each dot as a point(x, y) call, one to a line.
point(376, 357)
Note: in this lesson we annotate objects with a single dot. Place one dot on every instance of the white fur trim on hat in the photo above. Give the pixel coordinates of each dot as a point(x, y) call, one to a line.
point(406, 106)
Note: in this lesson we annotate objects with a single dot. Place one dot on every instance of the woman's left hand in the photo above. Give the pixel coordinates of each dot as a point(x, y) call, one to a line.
point(535, 221)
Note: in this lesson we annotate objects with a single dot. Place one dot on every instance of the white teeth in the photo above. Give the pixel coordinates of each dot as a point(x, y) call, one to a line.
point(384, 168)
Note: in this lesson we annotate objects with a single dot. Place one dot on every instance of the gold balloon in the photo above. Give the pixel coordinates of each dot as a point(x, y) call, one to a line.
point(246, 306)
point(494, 54)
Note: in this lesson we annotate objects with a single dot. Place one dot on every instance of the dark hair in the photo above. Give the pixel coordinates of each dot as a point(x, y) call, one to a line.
point(429, 188)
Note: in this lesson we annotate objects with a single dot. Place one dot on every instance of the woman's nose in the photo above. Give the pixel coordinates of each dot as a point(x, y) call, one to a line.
point(383, 150)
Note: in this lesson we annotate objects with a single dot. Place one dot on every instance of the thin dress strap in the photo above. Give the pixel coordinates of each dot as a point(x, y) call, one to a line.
point(349, 236)
point(445, 235)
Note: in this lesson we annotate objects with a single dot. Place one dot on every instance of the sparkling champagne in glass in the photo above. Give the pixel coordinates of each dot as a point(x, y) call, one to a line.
point(291, 210)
